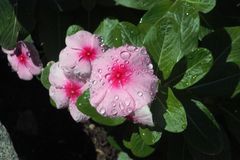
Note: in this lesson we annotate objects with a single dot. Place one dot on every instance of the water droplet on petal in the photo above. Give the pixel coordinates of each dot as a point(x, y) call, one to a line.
point(116, 97)
point(94, 82)
point(139, 93)
point(143, 51)
point(99, 71)
point(122, 65)
point(150, 66)
point(129, 110)
point(102, 111)
point(126, 62)
point(107, 76)
point(127, 103)
point(131, 48)
point(114, 104)
point(125, 55)
point(114, 112)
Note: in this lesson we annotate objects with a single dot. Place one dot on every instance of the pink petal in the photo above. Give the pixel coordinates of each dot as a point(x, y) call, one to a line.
point(116, 103)
point(8, 51)
point(13, 60)
point(23, 72)
point(56, 76)
point(143, 116)
point(59, 97)
point(83, 69)
point(82, 39)
point(76, 114)
point(35, 70)
point(142, 88)
point(68, 58)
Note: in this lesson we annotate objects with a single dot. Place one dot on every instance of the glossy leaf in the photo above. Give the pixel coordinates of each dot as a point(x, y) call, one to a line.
point(10, 27)
point(202, 5)
point(175, 116)
point(85, 107)
point(123, 156)
point(171, 37)
point(148, 136)
point(203, 32)
point(138, 147)
point(113, 143)
point(73, 29)
point(45, 74)
point(115, 33)
point(203, 133)
point(234, 55)
point(199, 63)
point(137, 4)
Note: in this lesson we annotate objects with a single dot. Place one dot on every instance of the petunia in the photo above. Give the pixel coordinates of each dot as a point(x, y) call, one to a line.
point(65, 91)
point(122, 81)
point(24, 59)
point(82, 48)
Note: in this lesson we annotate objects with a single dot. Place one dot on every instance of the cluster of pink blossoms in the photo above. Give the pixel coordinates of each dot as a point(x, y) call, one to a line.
point(121, 80)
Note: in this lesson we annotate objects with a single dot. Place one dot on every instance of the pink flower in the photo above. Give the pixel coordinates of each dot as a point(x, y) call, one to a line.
point(65, 91)
point(122, 81)
point(142, 115)
point(82, 48)
point(25, 60)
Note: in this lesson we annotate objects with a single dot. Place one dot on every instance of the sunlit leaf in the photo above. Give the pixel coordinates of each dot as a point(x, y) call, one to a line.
point(199, 63)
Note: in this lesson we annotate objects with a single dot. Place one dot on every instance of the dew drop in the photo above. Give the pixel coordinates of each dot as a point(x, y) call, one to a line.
point(94, 82)
point(126, 62)
point(122, 65)
point(114, 111)
point(143, 51)
point(102, 111)
point(187, 13)
point(116, 97)
point(131, 48)
point(150, 66)
point(127, 103)
point(114, 104)
point(107, 76)
point(139, 93)
point(79, 104)
point(99, 71)
point(129, 110)
point(125, 55)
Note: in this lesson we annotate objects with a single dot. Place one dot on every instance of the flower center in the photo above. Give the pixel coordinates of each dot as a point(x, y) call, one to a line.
point(22, 58)
point(88, 53)
point(72, 90)
point(119, 75)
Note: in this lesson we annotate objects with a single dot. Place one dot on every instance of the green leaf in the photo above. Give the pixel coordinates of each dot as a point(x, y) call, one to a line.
point(138, 147)
point(85, 107)
point(234, 55)
point(204, 109)
point(10, 27)
point(171, 37)
point(203, 132)
point(202, 5)
point(45, 74)
point(73, 29)
point(175, 116)
point(123, 156)
point(115, 33)
point(203, 32)
point(138, 4)
point(149, 137)
point(199, 63)
point(114, 143)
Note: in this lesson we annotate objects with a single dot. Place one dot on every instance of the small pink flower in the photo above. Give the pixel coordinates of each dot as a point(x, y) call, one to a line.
point(122, 81)
point(65, 91)
point(25, 60)
point(82, 48)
